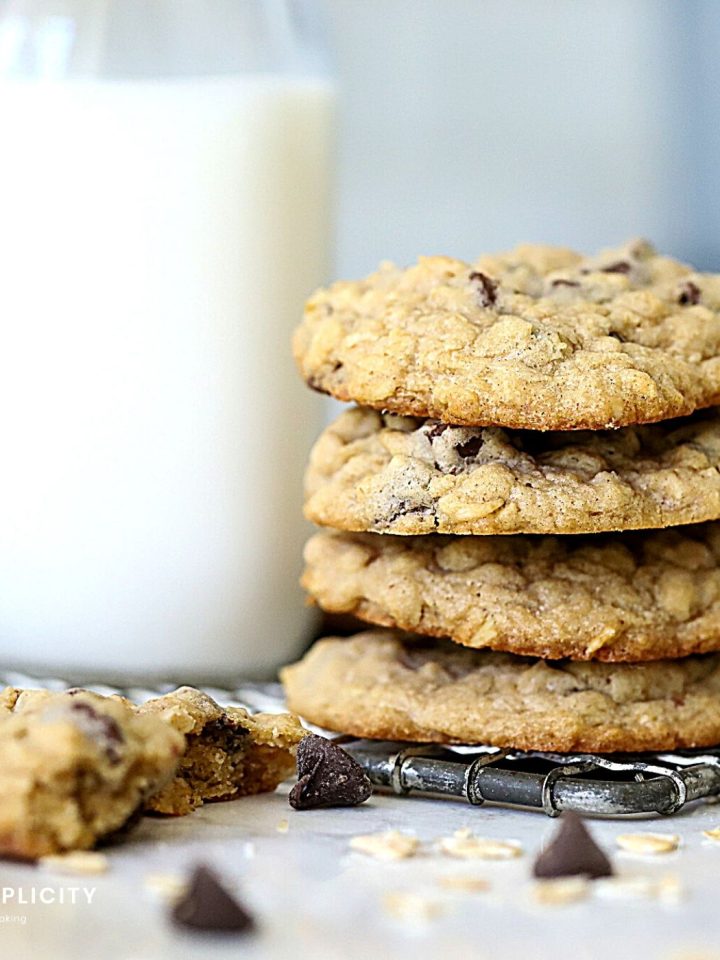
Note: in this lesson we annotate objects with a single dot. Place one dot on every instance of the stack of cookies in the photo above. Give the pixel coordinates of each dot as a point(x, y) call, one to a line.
point(526, 496)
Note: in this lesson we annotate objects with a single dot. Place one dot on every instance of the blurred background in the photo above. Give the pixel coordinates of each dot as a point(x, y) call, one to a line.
point(176, 176)
point(473, 125)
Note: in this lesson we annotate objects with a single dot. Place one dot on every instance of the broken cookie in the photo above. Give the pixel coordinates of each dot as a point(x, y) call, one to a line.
point(230, 753)
point(76, 767)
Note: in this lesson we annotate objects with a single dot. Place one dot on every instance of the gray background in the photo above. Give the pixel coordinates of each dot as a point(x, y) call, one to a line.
point(472, 125)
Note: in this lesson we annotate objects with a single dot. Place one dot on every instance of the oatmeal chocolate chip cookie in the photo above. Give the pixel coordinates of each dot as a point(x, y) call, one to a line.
point(76, 767)
point(613, 597)
point(540, 338)
point(379, 472)
point(230, 753)
point(387, 686)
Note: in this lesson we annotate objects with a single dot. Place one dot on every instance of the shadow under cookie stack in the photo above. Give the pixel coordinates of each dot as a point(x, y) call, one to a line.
point(525, 496)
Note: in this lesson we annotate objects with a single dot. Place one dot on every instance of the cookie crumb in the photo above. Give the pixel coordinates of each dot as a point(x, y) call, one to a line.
point(411, 906)
point(167, 886)
point(666, 889)
point(713, 834)
point(389, 845)
point(560, 890)
point(78, 862)
point(465, 845)
point(694, 955)
point(648, 843)
point(463, 883)
point(283, 826)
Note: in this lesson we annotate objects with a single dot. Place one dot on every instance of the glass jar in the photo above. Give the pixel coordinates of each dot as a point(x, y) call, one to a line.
point(164, 188)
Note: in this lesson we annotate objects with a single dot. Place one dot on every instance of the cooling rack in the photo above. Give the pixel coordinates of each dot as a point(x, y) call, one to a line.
point(592, 784)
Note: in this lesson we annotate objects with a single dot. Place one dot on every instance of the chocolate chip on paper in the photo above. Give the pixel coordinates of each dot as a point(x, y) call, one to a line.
point(207, 906)
point(572, 852)
point(327, 777)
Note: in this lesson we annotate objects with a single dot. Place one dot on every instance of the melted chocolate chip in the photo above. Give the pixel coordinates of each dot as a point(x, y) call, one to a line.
point(228, 726)
point(227, 733)
point(690, 294)
point(207, 906)
point(327, 777)
point(405, 508)
point(120, 834)
point(471, 448)
point(436, 429)
point(617, 336)
point(622, 266)
point(488, 288)
point(314, 384)
point(572, 852)
point(99, 727)
point(415, 655)
point(561, 282)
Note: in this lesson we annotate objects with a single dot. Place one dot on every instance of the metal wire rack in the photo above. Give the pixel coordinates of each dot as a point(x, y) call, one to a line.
point(627, 785)
point(597, 785)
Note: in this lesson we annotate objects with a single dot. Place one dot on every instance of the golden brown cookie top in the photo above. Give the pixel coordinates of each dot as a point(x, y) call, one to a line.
point(539, 338)
point(229, 753)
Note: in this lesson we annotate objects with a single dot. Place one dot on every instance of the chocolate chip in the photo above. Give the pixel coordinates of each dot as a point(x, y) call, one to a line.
point(227, 731)
point(690, 293)
point(327, 777)
point(471, 448)
point(208, 906)
point(488, 288)
point(622, 266)
point(99, 727)
point(314, 384)
point(433, 430)
point(561, 282)
point(572, 852)
point(405, 508)
point(415, 655)
point(120, 834)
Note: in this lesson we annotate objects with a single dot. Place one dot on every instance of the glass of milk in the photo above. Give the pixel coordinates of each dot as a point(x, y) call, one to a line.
point(164, 194)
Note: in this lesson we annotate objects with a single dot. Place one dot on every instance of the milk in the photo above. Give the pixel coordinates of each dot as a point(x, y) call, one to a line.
point(157, 239)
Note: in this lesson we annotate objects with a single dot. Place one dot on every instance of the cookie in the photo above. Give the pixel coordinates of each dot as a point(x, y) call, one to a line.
point(539, 338)
point(612, 597)
point(76, 767)
point(379, 472)
point(387, 686)
point(230, 753)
